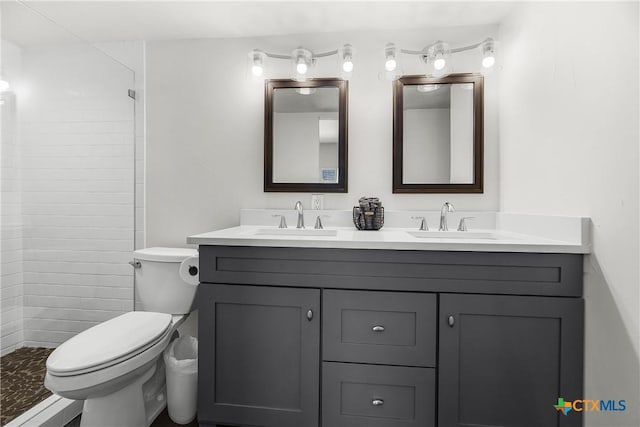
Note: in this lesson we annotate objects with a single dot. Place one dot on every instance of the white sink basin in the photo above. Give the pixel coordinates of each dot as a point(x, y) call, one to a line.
point(453, 234)
point(295, 232)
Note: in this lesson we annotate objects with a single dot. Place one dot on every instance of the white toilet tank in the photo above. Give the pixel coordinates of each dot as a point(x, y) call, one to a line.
point(159, 285)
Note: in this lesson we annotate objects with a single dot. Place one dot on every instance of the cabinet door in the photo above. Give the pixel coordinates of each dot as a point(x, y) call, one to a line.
point(505, 360)
point(259, 356)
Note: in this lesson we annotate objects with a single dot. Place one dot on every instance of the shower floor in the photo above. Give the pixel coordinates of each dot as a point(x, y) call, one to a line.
point(22, 381)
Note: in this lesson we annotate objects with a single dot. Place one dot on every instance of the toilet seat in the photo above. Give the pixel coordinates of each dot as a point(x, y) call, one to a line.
point(109, 377)
point(109, 343)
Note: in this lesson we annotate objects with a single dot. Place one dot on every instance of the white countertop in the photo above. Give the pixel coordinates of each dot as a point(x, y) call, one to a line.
point(512, 233)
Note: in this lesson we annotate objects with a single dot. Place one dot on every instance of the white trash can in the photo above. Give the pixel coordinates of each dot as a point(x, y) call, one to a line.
point(181, 361)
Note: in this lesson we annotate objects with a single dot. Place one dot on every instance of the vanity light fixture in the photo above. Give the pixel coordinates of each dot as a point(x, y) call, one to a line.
point(257, 63)
point(390, 53)
point(437, 56)
point(437, 59)
point(347, 58)
point(488, 55)
point(303, 61)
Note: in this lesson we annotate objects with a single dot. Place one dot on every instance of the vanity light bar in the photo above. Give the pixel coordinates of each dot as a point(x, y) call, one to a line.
point(303, 60)
point(437, 55)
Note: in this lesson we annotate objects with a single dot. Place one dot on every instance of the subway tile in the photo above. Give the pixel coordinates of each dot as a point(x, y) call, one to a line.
point(69, 267)
point(118, 257)
point(124, 185)
point(75, 326)
point(81, 291)
point(79, 244)
point(116, 221)
point(71, 314)
point(69, 302)
point(78, 279)
point(77, 209)
point(97, 233)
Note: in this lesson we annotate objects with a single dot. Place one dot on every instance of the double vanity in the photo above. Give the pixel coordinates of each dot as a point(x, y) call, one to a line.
point(398, 327)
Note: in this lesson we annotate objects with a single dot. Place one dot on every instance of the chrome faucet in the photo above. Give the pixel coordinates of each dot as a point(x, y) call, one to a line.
point(446, 207)
point(300, 214)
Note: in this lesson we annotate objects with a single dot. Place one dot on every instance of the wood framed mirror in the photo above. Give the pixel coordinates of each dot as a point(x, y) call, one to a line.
point(438, 134)
point(305, 136)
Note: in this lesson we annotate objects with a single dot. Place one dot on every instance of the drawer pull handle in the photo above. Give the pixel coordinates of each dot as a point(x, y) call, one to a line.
point(309, 315)
point(378, 328)
point(451, 320)
point(377, 402)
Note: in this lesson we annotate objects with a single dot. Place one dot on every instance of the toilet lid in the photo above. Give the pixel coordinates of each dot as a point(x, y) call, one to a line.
point(119, 338)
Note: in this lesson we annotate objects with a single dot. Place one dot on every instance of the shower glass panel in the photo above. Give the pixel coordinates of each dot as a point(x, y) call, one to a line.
point(67, 184)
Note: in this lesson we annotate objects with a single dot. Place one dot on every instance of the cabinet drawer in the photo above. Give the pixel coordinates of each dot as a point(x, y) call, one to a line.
point(355, 395)
point(388, 328)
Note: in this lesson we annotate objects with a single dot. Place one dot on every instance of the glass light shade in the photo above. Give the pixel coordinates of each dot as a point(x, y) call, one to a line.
point(390, 64)
point(488, 61)
point(390, 54)
point(301, 67)
point(437, 59)
point(347, 58)
point(439, 63)
point(302, 61)
point(488, 53)
point(306, 90)
point(256, 62)
point(257, 70)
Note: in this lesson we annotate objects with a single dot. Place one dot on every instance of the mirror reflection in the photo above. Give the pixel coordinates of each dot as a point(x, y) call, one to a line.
point(438, 133)
point(305, 135)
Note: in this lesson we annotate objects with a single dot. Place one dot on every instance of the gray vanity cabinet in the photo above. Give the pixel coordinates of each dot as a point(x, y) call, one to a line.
point(259, 358)
point(505, 360)
point(326, 337)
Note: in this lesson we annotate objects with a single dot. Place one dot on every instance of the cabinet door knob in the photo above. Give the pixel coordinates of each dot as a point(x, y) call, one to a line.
point(309, 315)
point(451, 320)
point(377, 402)
point(378, 328)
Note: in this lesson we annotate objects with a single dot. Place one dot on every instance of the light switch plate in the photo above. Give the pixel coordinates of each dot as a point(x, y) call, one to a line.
point(317, 201)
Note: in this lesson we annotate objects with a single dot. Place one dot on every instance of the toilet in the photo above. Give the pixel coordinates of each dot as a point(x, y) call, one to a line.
point(113, 366)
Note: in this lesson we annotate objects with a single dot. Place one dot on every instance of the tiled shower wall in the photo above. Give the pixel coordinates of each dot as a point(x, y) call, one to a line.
point(11, 334)
point(77, 145)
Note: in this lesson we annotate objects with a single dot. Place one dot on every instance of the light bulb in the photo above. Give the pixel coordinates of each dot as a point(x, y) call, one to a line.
point(347, 65)
point(347, 58)
point(4, 85)
point(488, 61)
point(439, 63)
point(390, 65)
point(257, 70)
point(301, 67)
point(488, 58)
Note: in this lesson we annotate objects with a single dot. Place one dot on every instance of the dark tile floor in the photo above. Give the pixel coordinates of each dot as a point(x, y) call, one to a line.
point(22, 386)
point(22, 381)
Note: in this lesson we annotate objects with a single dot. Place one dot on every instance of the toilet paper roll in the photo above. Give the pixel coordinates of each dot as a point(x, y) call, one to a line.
point(190, 270)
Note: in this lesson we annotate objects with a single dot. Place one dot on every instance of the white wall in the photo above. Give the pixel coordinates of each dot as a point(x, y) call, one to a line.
point(426, 147)
point(11, 277)
point(569, 146)
point(296, 148)
point(461, 134)
point(77, 145)
point(205, 123)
